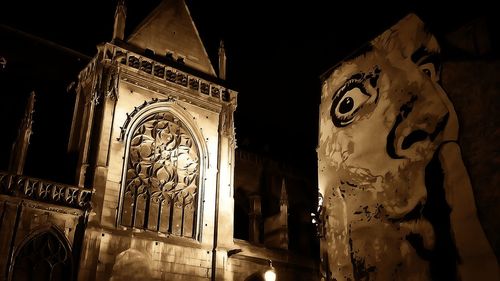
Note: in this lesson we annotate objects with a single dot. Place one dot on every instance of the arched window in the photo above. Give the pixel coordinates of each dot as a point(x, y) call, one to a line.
point(160, 191)
point(43, 257)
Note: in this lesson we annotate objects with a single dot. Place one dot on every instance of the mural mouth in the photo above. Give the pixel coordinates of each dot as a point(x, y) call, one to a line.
point(419, 232)
point(430, 234)
point(427, 225)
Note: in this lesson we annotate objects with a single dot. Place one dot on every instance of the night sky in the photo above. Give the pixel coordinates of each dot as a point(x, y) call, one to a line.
point(276, 53)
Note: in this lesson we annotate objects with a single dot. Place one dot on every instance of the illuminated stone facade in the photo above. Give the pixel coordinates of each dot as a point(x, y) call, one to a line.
point(161, 152)
point(154, 145)
point(155, 140)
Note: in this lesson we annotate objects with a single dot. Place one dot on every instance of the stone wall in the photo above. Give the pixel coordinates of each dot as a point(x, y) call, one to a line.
point(122, 254)
point(474, 88)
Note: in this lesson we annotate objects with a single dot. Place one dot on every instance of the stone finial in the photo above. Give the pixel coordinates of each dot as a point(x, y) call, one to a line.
point(120, 16)
point(20, 145)
point(283, 195)
point(3, 62)
point(222, 61)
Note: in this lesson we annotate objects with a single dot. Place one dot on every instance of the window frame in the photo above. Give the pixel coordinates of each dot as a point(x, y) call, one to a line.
point(189, 125)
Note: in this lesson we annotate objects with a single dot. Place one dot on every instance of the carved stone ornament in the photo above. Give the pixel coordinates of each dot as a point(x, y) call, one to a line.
point(130, 116)
point(161, 185)
point(45, 191)
point(110, 86)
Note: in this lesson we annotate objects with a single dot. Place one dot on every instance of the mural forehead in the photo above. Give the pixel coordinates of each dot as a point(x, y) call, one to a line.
point(407, 36)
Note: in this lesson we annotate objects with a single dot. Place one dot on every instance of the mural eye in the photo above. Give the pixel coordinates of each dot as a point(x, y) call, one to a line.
point(346, 103)
point(429, 69)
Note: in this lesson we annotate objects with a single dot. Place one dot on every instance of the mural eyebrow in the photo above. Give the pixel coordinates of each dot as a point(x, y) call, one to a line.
point(422, 56)
point(357, 76)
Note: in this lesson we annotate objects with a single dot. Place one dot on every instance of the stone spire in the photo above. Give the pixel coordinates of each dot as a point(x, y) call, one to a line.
point(20, 145)
point(3, 63)
point(255, 216)
point(222, 61)
point(120, 16)
point(283, 196)
point(283, 216)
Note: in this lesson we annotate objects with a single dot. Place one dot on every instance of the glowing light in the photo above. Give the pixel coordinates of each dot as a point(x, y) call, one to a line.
point(270, 275)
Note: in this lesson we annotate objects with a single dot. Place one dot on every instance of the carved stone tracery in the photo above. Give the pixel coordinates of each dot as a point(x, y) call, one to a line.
point(130, 116)
point(44, 257)
point(161, 185)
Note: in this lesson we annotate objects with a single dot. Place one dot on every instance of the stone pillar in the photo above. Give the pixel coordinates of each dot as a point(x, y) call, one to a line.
point(255, 217)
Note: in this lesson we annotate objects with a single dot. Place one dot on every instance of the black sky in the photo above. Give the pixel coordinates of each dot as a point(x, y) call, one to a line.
point(276, 50)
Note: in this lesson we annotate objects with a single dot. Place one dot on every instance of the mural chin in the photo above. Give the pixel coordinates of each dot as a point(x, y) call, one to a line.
point(387, 255)
point(390, 237)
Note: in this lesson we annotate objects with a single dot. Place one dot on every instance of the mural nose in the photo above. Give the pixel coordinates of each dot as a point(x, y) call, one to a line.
point(420, 124)
point(414, 137)
point(419, 136)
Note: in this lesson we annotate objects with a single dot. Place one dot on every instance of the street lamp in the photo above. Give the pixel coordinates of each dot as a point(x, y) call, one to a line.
point(270, 274)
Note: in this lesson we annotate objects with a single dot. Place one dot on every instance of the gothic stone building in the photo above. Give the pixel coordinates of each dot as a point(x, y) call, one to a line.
point(154, 145)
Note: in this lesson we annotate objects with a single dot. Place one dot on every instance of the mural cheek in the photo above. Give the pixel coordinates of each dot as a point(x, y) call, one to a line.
point(333, 152)
point(404, 190)
point(368, 140)
point(375, 251)
point(336, 239)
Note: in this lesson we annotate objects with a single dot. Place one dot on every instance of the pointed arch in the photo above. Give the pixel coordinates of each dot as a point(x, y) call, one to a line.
point(45, 254)
point(165, 158)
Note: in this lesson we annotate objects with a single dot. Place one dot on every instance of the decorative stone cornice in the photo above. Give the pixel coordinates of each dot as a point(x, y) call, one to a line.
point(105, 67)
point(175, 91)
point(44, 191)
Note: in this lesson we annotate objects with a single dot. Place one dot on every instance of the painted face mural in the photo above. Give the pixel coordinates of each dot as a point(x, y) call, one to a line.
point(390, 167)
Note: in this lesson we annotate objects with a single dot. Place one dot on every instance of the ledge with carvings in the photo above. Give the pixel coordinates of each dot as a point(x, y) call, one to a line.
point(45, 191)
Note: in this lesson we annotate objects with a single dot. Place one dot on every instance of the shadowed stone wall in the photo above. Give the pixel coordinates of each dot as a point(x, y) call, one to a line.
point(474, 88)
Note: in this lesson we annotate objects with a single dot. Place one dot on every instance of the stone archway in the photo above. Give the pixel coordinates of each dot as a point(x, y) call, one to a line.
point(45, 255)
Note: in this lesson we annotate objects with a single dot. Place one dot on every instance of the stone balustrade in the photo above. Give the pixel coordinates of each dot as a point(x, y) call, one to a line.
point(45, 191)
point(166, 73)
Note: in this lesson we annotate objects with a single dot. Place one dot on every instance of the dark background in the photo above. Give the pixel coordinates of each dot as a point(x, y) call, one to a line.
point(276, 52)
